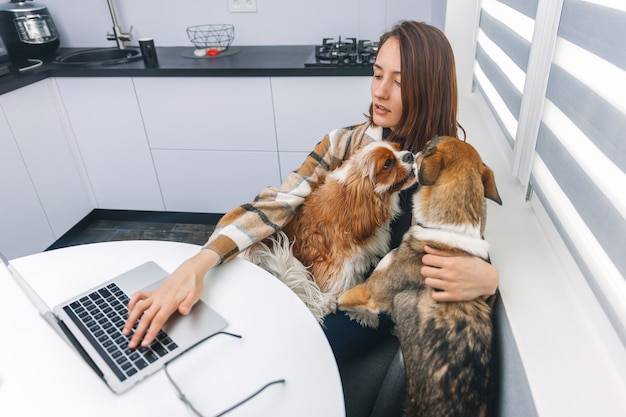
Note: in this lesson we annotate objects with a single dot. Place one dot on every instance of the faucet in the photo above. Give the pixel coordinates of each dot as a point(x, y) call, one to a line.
point(117, 35)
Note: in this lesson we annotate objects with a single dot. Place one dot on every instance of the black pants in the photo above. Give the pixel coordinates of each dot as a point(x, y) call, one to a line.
point(363, 357)
point(349, 339)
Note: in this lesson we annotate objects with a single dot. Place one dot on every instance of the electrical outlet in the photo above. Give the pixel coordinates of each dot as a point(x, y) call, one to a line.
point(242, 6)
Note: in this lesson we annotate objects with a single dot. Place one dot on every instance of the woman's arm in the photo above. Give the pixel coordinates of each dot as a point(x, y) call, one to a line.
point(458, 278)
point(179, 291)
point(236, 231)
point(274, 207)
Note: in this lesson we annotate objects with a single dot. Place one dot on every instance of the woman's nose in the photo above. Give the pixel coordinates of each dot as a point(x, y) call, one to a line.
point(381, 90)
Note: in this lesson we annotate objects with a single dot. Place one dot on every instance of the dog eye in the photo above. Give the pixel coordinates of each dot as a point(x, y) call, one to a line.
point(388, 163)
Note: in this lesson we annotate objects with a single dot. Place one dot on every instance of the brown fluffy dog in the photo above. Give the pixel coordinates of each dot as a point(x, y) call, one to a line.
point(342, 228)
point(446, 346)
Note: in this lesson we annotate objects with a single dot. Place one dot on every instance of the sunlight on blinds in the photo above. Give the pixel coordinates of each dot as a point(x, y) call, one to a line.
point(613, 285)
point(602, 171)
point(601, 76)
point(506, 117)
point(515, 20)
point(613, 4)
point(513, 72)
point(579, 169)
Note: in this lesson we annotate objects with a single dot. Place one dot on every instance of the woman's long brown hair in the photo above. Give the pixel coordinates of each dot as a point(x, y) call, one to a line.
point(429, 86)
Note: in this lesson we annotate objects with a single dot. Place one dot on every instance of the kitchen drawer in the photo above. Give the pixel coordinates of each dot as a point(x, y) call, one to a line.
point(220, 113)
point(213, 181)
point(290, 161)
point(307, 108)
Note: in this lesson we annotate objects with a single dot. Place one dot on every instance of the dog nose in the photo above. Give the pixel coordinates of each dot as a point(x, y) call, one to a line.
point(408, 158)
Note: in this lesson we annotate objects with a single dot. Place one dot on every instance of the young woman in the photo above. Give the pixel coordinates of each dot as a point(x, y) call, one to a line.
point(414, 98)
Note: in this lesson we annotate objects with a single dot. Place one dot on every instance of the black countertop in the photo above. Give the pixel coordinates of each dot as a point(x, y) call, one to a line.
point(241, 61)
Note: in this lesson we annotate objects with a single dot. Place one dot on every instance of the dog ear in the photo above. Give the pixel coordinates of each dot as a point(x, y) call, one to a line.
point(489, 183)
point(429, 169)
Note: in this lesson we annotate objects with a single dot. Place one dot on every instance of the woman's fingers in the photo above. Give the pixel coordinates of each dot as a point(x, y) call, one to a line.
point(135, 311)
point(458, 277)
point(180, 291)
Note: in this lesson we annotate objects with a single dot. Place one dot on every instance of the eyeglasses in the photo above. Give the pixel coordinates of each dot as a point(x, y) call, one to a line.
point(188, 403)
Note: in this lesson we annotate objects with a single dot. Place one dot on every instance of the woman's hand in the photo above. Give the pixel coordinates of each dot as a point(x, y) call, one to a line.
point(180, 291)
point(458, 278)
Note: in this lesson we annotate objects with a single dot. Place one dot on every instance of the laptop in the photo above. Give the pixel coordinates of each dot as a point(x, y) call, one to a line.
point(91, 322)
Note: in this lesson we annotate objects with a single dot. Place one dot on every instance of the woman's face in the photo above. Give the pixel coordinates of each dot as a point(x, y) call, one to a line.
point(386, 83)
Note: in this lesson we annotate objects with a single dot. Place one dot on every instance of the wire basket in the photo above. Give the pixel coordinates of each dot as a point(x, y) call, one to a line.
point(211, 36)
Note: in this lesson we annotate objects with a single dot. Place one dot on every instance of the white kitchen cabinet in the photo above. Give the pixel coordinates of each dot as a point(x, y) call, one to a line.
point(307, 108)
point(36, 121)
point(208, 113)
point(24, 228)
point(213, 139)
point(108, 127)
point(213, 181)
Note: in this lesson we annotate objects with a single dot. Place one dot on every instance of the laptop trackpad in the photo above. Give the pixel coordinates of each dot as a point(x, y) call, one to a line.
point(201, 322)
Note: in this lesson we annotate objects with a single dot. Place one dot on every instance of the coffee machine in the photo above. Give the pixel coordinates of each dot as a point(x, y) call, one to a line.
point(27, 29)
point(5, 61)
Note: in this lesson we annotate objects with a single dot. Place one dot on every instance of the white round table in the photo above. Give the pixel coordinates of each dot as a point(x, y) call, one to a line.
point(41, 375)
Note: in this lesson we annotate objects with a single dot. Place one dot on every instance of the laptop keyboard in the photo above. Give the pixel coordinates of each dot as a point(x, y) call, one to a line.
point(101, 316)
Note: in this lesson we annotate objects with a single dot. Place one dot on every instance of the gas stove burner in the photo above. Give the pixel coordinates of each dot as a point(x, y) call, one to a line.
point(350, 52)
point(336, 51)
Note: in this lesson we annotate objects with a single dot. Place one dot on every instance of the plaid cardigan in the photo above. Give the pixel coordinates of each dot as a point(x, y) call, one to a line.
point(274, 207)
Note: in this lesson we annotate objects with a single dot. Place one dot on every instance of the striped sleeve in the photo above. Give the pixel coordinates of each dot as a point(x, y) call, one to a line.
point(274, 207)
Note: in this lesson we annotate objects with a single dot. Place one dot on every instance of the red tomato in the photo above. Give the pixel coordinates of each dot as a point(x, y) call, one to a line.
point(212, 52)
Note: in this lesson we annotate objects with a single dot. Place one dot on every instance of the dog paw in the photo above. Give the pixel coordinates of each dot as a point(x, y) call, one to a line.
point(364, 317)
point(322, 306)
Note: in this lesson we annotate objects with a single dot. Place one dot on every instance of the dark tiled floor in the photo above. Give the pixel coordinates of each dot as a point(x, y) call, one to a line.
point(104, 225)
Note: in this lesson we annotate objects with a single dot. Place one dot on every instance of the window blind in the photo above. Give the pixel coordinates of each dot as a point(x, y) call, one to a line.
point(504, 40)
point(579, 167)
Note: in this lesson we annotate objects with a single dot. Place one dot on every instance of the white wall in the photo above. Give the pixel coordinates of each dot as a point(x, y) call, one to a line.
point(276, 22)
point(461, 27)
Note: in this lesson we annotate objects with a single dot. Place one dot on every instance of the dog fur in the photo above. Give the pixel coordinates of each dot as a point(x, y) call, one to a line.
point(342, 229)
point(446, 346)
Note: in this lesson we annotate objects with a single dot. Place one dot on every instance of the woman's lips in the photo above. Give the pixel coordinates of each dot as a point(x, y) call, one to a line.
point(381, 110)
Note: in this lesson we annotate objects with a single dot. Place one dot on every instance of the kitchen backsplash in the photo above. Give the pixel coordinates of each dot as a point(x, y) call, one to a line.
point(276, 22)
